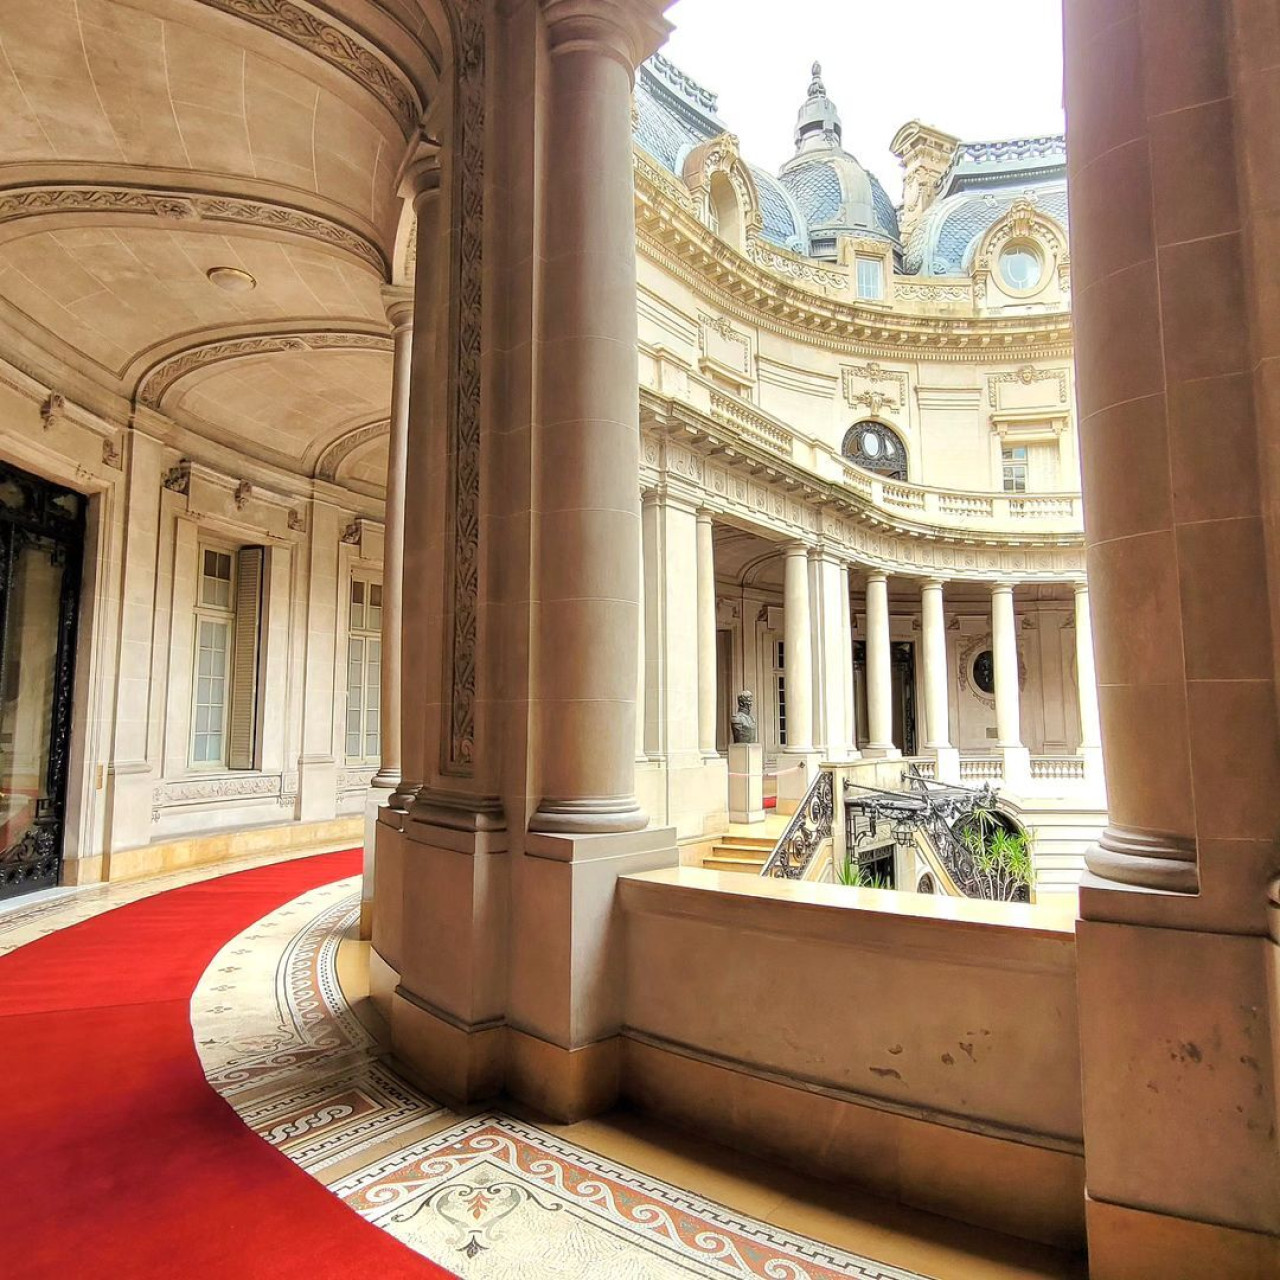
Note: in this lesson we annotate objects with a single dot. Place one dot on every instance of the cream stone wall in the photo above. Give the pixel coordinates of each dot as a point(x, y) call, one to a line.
point(152, 507)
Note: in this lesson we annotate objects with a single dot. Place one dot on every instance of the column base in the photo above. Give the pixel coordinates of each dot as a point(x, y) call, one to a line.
point(567, 965)
point(1145, 860)
point(882, 751)
point(457, 1062)
point(401, 799)
point(375, 805)
point(589, 816)
point(385, 780)
point(450, 1002)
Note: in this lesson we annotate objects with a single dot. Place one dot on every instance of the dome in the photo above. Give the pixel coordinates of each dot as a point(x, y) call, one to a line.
point(834, 193)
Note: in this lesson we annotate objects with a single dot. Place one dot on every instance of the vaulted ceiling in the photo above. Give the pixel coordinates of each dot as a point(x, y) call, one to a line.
point(145, 143)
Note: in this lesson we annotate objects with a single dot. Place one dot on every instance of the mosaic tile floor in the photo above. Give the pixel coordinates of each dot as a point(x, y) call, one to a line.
point(286, 1034)
point(485, 1195)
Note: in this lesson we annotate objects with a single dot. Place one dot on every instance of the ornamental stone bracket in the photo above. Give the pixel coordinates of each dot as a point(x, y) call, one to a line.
point(706, 462)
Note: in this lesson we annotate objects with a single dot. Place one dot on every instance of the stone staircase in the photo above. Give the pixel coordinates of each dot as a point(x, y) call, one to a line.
point(747, 854)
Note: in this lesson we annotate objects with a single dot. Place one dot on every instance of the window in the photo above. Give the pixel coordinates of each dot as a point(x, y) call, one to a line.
point(364, 671)
point(1014, 460)
point(870, 278)
point(876, 447)
point(780, 690)
point(1020, 267)
point(215, 623)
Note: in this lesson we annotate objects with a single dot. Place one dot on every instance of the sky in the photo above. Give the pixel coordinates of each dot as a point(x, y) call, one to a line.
point(979, 69)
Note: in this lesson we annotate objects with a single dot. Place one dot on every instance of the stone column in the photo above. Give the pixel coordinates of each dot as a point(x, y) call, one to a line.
point(587, 438)
point(706, 636)
point(846, 663)
point(642, 659)
point(830, 611)
point(1087, 688)
point(1175, 191)
point(1004, 652)
point(399, 305)
point(795, 769)
point(564, 1009)
point(879, 672)
point(937, 711)
point(797, 637)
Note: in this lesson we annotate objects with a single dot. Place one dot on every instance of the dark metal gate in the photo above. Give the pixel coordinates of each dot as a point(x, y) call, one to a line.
point(41, 547)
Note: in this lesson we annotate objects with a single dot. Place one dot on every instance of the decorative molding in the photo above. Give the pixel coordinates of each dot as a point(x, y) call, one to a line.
point(111, 456)
point(160, 377)
point(784, 263)
point(875, 374)
point(369, 68)
point(1025, 376)
point(182, 206)
point(243, 492)
point(252, 786)
point(465, 379)
point(905, 291)
point(352, 534)
point(350, 780)
point(344, 446)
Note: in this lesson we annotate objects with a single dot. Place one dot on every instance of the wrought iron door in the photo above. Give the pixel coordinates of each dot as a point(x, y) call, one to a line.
point(41, 546)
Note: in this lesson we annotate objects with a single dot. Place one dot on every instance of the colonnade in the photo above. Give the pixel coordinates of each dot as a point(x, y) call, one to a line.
point(679, 676)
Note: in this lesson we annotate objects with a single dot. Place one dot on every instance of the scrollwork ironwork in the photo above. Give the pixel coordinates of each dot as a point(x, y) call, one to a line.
point(810, 827)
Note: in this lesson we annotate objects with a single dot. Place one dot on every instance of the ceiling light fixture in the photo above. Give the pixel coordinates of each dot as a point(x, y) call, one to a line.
point(232, 279)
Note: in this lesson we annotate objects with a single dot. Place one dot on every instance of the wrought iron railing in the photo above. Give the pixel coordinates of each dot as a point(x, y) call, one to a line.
point(942, 815)
point(810, 827)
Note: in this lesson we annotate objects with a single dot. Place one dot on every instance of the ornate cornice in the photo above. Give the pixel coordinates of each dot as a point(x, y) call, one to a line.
point(713, 465)
point(370, 67)
point(766, 287)
point(334, 454)
point(188, 207)
point(160, 377)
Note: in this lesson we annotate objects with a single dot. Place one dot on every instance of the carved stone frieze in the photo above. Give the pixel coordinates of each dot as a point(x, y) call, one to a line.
point(251, 786)
point(180, 206)
point(465, 378)
point(370, 68)
point(160, 377)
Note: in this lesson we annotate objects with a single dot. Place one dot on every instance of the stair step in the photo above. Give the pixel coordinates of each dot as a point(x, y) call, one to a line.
point(744, 865)
point(746, 842)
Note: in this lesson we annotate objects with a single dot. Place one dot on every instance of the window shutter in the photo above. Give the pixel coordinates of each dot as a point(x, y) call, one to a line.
point(242, 722)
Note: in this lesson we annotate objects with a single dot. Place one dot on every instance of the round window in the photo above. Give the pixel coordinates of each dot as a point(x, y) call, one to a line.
point(1020, 267)
point(984, 671)
point(870, 444)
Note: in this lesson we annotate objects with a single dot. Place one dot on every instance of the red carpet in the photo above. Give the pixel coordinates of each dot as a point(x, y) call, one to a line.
point(117, 1158)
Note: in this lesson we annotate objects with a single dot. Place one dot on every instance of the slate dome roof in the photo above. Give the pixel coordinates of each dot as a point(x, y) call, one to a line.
point(833, 191)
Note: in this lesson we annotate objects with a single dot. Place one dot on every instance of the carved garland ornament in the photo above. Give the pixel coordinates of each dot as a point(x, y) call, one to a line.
point(331, 44)
point(157, 380)
point(464, 408)
point(179, 206)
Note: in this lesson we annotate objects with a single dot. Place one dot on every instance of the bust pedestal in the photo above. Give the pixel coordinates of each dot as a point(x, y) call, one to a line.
point(746, 782)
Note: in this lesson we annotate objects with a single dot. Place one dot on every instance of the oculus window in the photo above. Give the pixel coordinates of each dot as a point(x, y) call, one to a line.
point(876, 447)
point(1021, 267)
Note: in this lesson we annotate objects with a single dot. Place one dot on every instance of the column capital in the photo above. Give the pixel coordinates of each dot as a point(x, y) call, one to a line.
point(397, 300)
point(932, 584)
point(1080, 586)
point(420, 180)
point(795, 549)
point(705, 515)
point(1002, 586)
point(626, 30)
point(877, 575)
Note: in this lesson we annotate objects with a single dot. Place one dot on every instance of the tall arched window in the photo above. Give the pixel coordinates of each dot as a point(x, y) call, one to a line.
point(875, 447)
